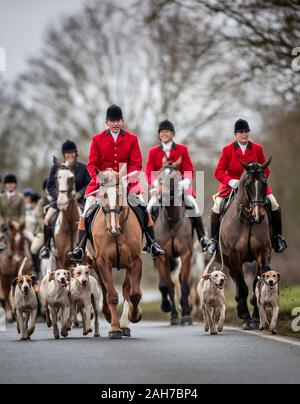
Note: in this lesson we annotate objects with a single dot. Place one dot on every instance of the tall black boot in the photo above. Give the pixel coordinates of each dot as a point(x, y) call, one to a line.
point(152, 246)
point(45, 251)
point(198, 225)
point(215, 233)
point(279, 243)
point(78, 253)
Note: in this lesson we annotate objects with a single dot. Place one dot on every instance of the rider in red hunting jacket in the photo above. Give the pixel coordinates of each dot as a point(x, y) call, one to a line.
point(229, 171)
point(173, 152)
point(110, 149)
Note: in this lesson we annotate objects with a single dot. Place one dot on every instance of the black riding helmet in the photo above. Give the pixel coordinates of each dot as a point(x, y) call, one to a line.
point(10, 179)
point(241, 125)
point(68, 147)
point(166, 125)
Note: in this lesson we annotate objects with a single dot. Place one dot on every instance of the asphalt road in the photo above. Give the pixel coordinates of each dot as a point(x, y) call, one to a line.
point(155, 354)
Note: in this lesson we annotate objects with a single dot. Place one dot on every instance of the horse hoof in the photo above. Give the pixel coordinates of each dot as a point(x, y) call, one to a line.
point(248, 326)
point(115, 335)
point(166, 306)
point(96, 335)
point(274, 332)
point(175, 321)
point(254, 325)
point(135, 318)
point(126, 332)
point(186, 320)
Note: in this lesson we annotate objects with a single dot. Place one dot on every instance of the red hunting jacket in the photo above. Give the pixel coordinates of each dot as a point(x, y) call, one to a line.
point(155, 162)
point(229, 166)
point(105, 153)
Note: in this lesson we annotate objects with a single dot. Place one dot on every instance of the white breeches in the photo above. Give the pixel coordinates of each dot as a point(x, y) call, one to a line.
point(90, 201)
point(49, 215)
point(217, 206)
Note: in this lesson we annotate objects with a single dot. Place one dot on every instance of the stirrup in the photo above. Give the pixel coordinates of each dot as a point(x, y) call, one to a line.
point(76, 255)
point(156, 251)
point(212, 246)
point(44, 253)
point(279, 244)
point(2, 247)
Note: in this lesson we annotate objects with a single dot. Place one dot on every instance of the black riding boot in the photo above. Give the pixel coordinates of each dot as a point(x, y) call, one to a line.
point(152, 246)
point(198, 225)
point(279, 243)
point(78, 253)
point(215, 232)
point(45, 251)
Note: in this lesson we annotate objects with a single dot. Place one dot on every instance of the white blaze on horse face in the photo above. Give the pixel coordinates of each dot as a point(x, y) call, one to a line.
point(112, 200)
point(62, 180)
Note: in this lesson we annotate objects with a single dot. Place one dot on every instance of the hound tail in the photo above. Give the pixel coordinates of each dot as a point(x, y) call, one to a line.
point(20, 273)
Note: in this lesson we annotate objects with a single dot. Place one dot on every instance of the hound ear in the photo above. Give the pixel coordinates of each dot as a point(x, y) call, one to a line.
point(267, 163)
point(33, 278)
point(14, 282)
point(278, 276)
point(55, 161)
point(69, 276)
point(51, 277)
point(177, 164)
point(263, 276)
point(206, 277)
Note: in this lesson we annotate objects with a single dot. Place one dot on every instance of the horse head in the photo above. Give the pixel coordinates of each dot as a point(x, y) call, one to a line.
point(16, 240)
point(114, 199)
point(65, 184)
point(254, 185)
point(169, 178)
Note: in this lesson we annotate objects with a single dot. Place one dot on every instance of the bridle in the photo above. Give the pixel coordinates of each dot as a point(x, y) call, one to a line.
point(69, 192)
point(245, 211)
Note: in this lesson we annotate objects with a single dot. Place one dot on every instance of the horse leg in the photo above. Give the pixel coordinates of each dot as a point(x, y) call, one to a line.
point(105, 308)
point(112, 299)
point(241, 295)
point(6, 286)
point(185, 289)
point(135, 313)
point(163, 267)
point(124, 321)
point(262, 265)
point(166, 305)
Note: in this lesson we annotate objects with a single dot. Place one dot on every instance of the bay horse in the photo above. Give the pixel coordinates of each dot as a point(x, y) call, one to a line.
point(173, 231)
point(245, 236)
point(118, 241)
point(10, 260)
point(68, 217)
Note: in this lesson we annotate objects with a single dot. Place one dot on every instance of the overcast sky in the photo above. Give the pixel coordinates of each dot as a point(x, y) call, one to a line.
point(22, 27)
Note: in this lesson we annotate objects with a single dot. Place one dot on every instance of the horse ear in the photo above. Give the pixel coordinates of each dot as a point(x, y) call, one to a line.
point(267, 163)
point(246, 166)
point(55, 161)
point(177, 164)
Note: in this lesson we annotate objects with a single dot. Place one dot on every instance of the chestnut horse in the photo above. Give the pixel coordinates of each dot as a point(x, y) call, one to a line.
point(68, 217)
point(173, 230)
point(10, 260)
point(245, 236)
point(117, 238)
